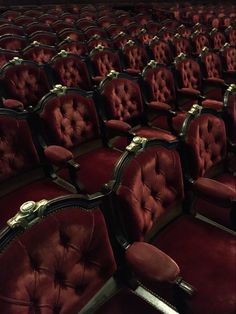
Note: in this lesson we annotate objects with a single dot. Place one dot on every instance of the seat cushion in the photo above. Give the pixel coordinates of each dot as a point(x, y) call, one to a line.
point(35, 191)
point(96, 168)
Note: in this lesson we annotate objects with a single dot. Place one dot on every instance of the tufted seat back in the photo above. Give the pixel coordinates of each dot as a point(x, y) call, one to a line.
point(200, 41)
point(44, 38)
point(229, 55)
point(150, 186)
point(218, 40)
point(190, 73)
point(182, 45)
point(13, 42)
point(68, 261)
point(95, 42)
point(212, 65)
point(73, 47)
point(160, 85)
point(231, 34)
point(73, 34)
point(135, 57)
point(41, 54)
point(161, 52)
point(206, 143)
point(105, 61)
point(17, 151)
point(71, 72)
point(25, 82)
point(123, 99)
point(70, 119)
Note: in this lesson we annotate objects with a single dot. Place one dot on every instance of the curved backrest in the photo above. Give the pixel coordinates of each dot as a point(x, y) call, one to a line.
point(122, 99)
point(39, 53)
point(229, 58)
point(218, 40)
point(26, 82)
point(205, 143)
point(71, 71)
point(231, 35)
point(13, 42)
point(200, 41)
point(161, 52)
point(150, 186)
point(11, 29)
point(103, 62)
point(212, 65)
point(44, 38)
point(182, 45)
point(135, 57)
point(69, 119)
point(230, 104)
point(17, 150)
point(68, 261)
point(73, 47)
point(73, 34)
point(94, 42)
point(160, 85)
point(189, 73)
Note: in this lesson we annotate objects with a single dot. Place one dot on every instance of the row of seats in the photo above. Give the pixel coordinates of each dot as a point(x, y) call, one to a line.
point(146, 158)
point(147, 186)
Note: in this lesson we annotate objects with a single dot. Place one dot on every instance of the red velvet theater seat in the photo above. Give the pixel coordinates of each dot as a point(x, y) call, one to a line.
point(160, 51)
point(120, 40)
point(199, 40)
point(228, 54)
point(47, 19)
point(135, 58)
point(72, 33)
point(44, 38)
point(84, 23)
point(37, 27)
point(24, 81)
point(181, 44)
point(217, 39)
point(69, 119)
point(102, 61)
point(190, 87)
point(160, 96)
point(74, 47)
point(21, 173)
point(121, 107)
point(147, 188)
point(144, 37)
point(231, 35)
point(96, 40)
point(209, 167)
point(93, 30)
point(24, 20)
point(71, 262)
point(70, 70)
point(11, 29)
point(39, 53)
point(212, 71)
point(13, 42)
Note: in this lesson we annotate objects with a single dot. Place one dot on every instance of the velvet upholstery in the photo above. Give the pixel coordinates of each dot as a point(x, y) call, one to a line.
point(25, 82)
point(160, 267)
point(135, 58)
point(74, 47)
point(40, 54)
point(6, 55)
point(68, 261)
point(181, 44)
point(44, 38)
point(161, 52)
point(70, 120)
point(57, 154)
point(71, 71)
point(231, 36)
point(229, 64)
point(103, 62)
point(16, 148)
point(231, 116)
point(150, 186)
point(218, 40)
point(200, 41)
point(190, 73)
point(13, 42)
point(206, 141)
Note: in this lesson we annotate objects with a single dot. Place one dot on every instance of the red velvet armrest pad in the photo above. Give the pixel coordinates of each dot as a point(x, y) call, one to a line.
point(214, 191)
point(189, 91)
point(149, 263)
point(13, 104)
point(118, 125)
point(58, 155)
point(156, 105)
point(214, 80)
